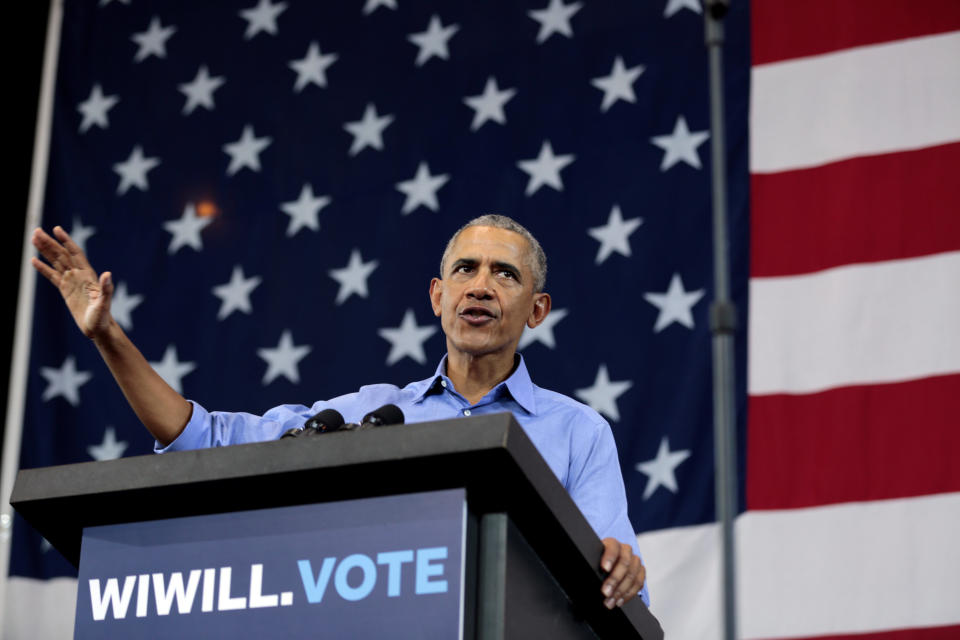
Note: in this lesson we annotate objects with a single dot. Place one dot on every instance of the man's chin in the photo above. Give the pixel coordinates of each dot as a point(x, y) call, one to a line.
point(477, 348)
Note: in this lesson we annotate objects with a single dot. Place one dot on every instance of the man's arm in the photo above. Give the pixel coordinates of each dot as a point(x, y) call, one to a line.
point(596, 485)
point(163, 411)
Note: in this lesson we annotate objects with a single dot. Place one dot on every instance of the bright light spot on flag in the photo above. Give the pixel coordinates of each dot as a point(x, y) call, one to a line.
point(206, 208)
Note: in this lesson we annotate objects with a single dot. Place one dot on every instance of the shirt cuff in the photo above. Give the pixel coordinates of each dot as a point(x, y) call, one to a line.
point(195, 435)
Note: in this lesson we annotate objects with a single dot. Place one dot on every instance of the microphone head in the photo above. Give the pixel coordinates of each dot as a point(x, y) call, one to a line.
point(325, 421)
point(385, 415)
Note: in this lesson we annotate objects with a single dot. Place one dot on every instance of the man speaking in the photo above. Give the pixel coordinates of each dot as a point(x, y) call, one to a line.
point(491, 282)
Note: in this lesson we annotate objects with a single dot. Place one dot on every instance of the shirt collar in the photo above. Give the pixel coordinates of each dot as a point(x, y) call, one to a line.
point(518, 385)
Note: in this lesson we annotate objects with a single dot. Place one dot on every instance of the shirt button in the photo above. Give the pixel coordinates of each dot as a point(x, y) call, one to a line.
point(466, 412)
point(443, 383)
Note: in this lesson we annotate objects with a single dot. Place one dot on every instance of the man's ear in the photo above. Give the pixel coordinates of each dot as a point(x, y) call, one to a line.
point(541, 307)
point(436, 292)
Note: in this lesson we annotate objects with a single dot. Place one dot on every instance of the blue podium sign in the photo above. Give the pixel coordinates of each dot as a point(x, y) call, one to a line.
point(371, 568)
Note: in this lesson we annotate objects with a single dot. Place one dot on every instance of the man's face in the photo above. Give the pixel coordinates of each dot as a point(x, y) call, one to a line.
point(486, 295)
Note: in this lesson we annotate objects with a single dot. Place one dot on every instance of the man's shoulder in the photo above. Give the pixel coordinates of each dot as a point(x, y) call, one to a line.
point(554, 402)
point(392, 393)
point(380, 392)
point(378, 388)
point(367, 398)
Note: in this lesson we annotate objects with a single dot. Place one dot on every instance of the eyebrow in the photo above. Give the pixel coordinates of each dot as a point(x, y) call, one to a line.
point(509, 267)
point(472, 262)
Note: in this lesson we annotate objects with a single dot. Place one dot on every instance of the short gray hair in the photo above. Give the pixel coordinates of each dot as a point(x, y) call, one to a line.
point(536, 258)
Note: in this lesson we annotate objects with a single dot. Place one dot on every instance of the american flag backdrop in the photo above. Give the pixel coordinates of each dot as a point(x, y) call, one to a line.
point(272, 184)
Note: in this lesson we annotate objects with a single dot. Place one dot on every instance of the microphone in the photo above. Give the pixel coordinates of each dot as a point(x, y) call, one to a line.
point(324, 422)
point(386, 415)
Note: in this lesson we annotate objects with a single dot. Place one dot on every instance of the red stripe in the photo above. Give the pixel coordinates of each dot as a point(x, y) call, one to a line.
point(783, 31)
point(925, 633)
point(896, 205)
point(869, 442)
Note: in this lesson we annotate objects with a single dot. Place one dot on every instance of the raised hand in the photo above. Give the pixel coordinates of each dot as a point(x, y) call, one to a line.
point(160, 408)
point(86, 294)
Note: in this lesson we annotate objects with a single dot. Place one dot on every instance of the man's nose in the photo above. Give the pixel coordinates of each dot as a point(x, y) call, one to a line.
point(480, 292)
point(480, 288)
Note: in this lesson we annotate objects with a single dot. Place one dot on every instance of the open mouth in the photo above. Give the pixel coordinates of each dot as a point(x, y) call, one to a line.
point(477, 315)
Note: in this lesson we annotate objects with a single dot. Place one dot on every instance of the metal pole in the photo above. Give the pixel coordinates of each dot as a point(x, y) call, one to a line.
point(722, 325)
point(17, 390)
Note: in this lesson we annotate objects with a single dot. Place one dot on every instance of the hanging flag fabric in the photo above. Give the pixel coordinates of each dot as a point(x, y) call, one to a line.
point(272, 185)
point(851, 486)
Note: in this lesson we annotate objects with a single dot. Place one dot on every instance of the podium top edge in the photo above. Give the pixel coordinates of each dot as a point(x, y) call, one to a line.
point(331, 450)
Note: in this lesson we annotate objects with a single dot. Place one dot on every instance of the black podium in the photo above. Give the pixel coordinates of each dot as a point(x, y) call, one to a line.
point(529, 559)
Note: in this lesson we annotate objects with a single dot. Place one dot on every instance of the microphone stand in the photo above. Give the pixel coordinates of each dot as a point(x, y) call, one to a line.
point(722, 324)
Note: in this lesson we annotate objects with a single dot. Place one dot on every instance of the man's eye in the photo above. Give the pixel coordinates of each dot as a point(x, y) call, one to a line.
point(464, 268)
point(508, 274)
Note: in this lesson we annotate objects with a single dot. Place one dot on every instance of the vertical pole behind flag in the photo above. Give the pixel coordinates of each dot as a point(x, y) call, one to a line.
point(17, 390)
point(722, 323)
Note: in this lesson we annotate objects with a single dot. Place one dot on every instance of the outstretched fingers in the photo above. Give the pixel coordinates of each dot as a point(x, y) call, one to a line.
point(51, 250)
point(62, 253)
point(77, 257)
point(53, 253)
point(46, 271)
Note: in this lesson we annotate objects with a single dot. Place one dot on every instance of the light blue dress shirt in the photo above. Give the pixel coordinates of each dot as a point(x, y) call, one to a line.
point(575, 440)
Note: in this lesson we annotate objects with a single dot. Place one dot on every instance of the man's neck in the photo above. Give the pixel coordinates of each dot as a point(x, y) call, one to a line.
point(474, 376)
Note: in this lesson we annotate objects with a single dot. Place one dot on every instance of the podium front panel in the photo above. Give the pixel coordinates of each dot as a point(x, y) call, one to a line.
point(374, 567)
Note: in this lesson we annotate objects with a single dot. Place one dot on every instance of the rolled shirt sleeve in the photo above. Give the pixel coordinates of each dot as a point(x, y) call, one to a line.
point(218, 428)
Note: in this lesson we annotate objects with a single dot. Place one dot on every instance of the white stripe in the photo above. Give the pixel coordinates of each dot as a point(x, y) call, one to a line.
point(857, 324)
point(40, 608)
point(683, 576)
point(868, 100)
point(849, 568)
